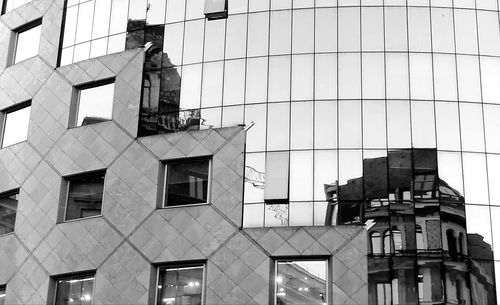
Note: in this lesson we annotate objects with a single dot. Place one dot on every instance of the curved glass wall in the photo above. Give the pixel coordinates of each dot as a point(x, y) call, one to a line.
point(381, 112)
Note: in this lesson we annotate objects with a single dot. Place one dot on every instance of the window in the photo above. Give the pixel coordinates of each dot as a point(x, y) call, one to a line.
point(277, 169)
point(76, 289)
point(15, 124)
point(375, 243)
point(187, 182)
point(27, 41)
point(215, 9)
point(2, 295)
point(94, 105)
point(8, 209)
point(84, 197)
point(9, 5)
point(301, 282)
point(180, 285)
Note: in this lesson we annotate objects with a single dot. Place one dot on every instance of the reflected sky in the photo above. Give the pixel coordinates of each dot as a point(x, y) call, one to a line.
point(95, 103)
point(16, 126)
point(27, 43)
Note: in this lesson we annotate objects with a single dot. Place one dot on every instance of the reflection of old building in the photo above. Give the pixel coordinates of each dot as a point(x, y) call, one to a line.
point(418, 243)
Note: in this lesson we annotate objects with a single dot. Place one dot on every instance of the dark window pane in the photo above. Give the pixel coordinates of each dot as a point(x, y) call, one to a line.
point(180, 286)
point(187, 182)
point(301, 282)
point(8, 208)
point(77, 290)
point(85, 196)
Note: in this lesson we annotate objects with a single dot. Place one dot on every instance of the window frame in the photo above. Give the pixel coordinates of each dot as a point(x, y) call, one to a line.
point(75, 100)
point(77, 275)
point(12, 52)
point(66, 183)
point(8, 194)
point(273, 285)
point(3, 120)
point(163, 181)
point(179, 265)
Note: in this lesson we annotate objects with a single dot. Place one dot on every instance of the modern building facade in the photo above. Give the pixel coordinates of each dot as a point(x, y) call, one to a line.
point(249, 152)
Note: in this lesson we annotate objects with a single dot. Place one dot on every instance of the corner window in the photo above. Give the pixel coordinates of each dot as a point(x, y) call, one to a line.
point(215, 9)
point(2, 294)
point(76, 289)
point(15, 124)
point(8, 209)
point(301, 282)
point(187, 182)
point(84, 197)
point(9, 5)
point(94, 104)
point(180, 285)
point(27, 41)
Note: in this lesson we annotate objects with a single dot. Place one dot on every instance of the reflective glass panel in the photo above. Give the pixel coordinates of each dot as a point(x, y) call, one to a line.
point(27, 43)
point(85, 196)
point(8, 209)
point(301, 282)
point(16, 125)
point(187, 182)
point(75, 290)
point(95, 104)
point(180, 286)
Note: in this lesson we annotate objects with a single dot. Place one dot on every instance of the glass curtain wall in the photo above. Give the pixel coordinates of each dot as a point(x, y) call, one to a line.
point(381, 113)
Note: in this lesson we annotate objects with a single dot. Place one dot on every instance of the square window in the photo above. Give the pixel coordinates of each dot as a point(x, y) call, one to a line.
point(8, 209)
point(15, 124)
point(187, 182)
point(94, 104)
point(301, 282)
point(27, 41)
point(2, 294)
point(84, 196)
point(215, 9)
point(180, 285)
point(75, 289)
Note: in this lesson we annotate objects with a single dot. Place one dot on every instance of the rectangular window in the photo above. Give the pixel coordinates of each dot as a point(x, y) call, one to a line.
point(277, 169)
point(15, 124)
point(94, 104)
point(84, 196)
point(180, 285)
point(9, 5)
point(215, 9)
point(8, 209)
point(187, 182)
point(76, 289)
point(27, 41)
point(301, 282)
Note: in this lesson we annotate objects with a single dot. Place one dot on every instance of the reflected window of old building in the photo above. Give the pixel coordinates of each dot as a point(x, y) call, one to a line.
point(180, 285)
point(94, 104)
point(187, 182)
point(387, 242)
point(397, 240)
point(75, 289)
point(2, 294)
point(9, 5)
point(420, 237)
point(376, 243)
point(384, 296)
point(84, 195)
point(27, 41)
point(15, 124)
point(215, 9)
point(8, 210)
point(300, 282)
point(452, 243)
